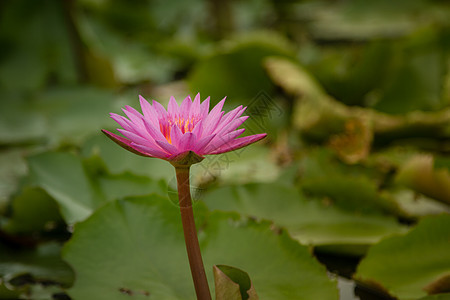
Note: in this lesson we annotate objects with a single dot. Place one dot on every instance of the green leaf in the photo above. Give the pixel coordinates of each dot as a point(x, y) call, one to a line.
point(80, 187)
point(33, 210)
point(318, 116)
point(13, 168)
point(127, 184)
point(416, 76)
point(238, 61)
point(445, 296)
point(419, 174)
point(62, 176)
point(308, 221)
point(19, 121)
point(43, 264)
point(40, 45)
point(118, 160)
point(64, 108)
point(418, 261)
point(413, 205)
point(233, 284)
point(142, 240)
point(239, 166)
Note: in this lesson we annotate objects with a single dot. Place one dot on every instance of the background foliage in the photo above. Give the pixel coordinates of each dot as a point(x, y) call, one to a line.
point(354, 177)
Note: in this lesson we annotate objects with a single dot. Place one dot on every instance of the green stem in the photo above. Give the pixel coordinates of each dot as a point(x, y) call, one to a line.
point(190, 234)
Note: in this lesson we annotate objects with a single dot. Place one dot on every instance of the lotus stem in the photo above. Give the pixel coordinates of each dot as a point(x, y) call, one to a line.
point(190, 234)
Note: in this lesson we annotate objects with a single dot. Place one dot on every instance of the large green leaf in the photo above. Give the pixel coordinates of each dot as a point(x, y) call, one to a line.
point(39, 42)
point(13, 167)
point(33, 210)
point(19, 122)
point(319, 116)
point(118, 160)
point(307, 220)
point(80, 187)
point(224, 72)
point(43, 265)
point(74, 113)
point(136, 247)
point(239, 166)
point(409, 266)
point(63, 176)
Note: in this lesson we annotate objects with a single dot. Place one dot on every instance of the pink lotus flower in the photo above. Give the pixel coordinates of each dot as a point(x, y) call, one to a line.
point(184, 133)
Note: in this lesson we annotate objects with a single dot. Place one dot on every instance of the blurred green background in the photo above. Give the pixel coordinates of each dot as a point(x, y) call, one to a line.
point(354, 96)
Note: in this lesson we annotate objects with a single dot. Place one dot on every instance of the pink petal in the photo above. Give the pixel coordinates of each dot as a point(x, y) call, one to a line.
point(169, 148)
point(149, 112)
point(124, 143)
point(137, 139)
point(204, 108)
point(198, 129)
point(233, 125)
point(173, 108)
point(154, 152)
point(195, 108)
point(122, 121)
point(187, 142)
point(222, 140)
point(133, 112)
point(136, 119)
point(155, 133)
point(210, 124)
point(128, 125)
point(186, 107)
point(202, 143)
point(213, 118)
point(160, 110)
point(239, 143)
point(175, 135)
point(230, 116)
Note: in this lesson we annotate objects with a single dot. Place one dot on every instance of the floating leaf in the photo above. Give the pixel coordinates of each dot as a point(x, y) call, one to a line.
point(420, 175)
point(19, 122)
point(80, 187)
point(240, 166)
point(119, 161)
point(62, 176)
point(308, 221)
point(42, 265)
point(41, 45)
point(237, 62)
point(319, 116)
point(414, 205)
point(418, 261)
point(233, 284)
point(142, 240)
point(33, 210)
point(63, 109)
point(13, 167)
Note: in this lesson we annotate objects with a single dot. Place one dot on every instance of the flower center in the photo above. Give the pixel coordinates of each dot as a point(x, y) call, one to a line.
point(185, 125)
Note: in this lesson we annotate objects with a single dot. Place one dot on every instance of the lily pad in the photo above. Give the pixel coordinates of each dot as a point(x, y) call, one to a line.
point(80, 187)
point(240, 166)
point(118, 160)
point(309, 221)
point(33, 210)
point(410, 266)
point(421, 175)
point(136, 247)
point(63, 176)
point(238, 61)
point(41, 265)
